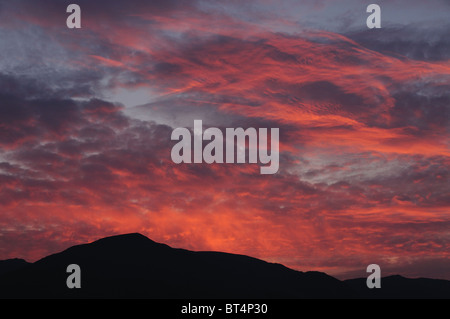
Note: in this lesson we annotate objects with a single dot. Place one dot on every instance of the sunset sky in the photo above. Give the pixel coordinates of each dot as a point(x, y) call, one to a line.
point(86, 117)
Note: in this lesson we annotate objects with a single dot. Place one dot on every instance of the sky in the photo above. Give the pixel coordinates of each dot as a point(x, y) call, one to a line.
point(86, 117)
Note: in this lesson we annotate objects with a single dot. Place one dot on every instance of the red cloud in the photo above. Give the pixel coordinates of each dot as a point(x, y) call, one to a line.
point(363, 178)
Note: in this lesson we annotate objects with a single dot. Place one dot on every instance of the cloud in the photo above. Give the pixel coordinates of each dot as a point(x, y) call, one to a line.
point(364, 155)
point(412, 41)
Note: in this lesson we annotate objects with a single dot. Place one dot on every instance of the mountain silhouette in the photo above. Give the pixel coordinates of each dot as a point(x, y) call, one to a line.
point(133, 266)
point(12, 264)
point(394, 287)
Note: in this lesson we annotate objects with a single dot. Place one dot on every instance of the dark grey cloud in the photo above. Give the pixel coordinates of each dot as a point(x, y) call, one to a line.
point(412, 41)
point(427, 112)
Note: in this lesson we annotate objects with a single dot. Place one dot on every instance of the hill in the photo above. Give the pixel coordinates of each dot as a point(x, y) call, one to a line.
point(134, 266)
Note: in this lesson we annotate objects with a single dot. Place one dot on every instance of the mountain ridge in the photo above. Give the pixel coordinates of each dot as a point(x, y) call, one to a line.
point(134, 266)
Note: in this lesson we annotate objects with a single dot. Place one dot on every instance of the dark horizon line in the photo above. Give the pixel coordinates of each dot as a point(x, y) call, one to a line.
point(137, 234)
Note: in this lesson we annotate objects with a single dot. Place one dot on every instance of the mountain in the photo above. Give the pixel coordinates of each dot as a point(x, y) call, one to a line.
point(133, 266)
point(395, 287)
point(12, 264)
